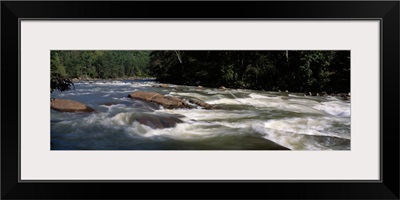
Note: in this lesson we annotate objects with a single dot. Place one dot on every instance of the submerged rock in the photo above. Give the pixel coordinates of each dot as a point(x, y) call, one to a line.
point(66, 105)
point(161, 85)
point(203, 104)
point(110, 103)
point(168, 102)
point(285, 93)
point(158, 121)
point(155, 121)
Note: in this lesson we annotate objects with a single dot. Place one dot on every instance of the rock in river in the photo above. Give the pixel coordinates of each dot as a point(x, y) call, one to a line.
point(203, 104)
point(161, 85)
point(158, 122)
point(65, 105)
point(168, 102)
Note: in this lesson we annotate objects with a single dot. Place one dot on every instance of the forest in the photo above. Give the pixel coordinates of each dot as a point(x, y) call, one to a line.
point(296, 71)
point(99, 64)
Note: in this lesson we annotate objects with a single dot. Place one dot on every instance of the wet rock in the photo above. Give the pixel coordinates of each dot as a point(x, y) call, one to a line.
point(285, 93)
point(146, 96)
point(158, 122)
point(203, 104)
point(199, 87)
point(161, 85)
point(167, 102)
point(178, 89)
point(110, 103)
point(222, 88)
point(65, 105)
point(314, 94)
point(343, 96)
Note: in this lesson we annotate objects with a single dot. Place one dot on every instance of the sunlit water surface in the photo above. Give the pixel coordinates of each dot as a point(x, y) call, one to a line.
point(246, 120)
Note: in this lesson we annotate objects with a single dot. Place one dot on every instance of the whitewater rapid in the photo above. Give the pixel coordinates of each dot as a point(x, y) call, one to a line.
point(248, 119)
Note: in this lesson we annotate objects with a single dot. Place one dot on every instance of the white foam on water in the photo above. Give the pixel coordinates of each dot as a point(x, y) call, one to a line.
point(258, 96)
point(293, 132)
point(329, 118)
point(209, 115)
point(189, 95)
point(242, 124)
point(115, 107)
point(188, 131)
point(122, 98)
point(127, 91)
point(73, 94)
point(142, 84)
point(307, 102)
point(111, 83)
point(274, 103)
point(225, 101)
point(336, 108)
point(211, 92)
point(122, 119)
point(125, 121)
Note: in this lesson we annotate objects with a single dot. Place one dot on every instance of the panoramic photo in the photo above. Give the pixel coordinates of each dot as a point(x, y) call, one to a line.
point(200, 100)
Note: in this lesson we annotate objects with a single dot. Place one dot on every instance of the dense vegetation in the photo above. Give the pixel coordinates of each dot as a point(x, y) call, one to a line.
point(300, 71)
point(99, 64)
point(66, 65)
point(296, 71)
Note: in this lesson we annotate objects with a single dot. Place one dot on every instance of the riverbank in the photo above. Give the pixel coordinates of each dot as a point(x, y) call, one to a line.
point(75, 80)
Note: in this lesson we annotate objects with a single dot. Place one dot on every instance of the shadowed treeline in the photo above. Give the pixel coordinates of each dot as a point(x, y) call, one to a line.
point(296, 71)
point(300, 71)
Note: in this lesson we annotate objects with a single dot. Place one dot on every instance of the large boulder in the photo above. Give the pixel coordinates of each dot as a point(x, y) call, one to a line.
point(65, 105)
point(168, 102)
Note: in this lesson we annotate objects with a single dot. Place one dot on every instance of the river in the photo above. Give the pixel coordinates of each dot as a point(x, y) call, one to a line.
point(246, 120)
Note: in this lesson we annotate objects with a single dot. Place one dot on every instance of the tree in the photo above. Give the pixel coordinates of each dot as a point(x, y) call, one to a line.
point(300, 71)
point(58, 80)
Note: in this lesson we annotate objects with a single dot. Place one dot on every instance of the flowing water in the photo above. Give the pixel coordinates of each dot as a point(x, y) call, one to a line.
point(246, 120)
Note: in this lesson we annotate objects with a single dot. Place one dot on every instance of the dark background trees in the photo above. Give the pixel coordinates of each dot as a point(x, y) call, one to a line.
point(99, 64)
point(296, 71)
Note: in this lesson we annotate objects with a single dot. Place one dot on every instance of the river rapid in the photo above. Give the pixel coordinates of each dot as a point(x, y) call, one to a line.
point(246, 120)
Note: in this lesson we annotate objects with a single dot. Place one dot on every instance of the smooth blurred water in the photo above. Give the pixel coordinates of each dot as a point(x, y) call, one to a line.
point(247, 120)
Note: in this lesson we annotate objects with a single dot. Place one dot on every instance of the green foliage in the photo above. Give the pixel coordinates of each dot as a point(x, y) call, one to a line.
point(66, 65)
point(300, 71)
point(62, 84)
point(297, 71)
point(100, 64)
point(58, 80)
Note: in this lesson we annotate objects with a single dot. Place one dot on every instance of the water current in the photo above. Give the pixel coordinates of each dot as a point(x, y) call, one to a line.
point(246, 120)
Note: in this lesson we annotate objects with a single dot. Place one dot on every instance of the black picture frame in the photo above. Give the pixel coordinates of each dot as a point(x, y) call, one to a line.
point(386, 11)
